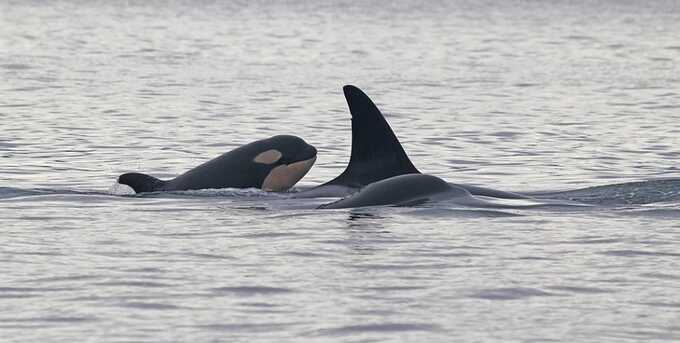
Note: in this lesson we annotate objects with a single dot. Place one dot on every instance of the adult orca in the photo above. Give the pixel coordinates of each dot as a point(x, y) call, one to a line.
point(272, 164)
point(417, 189)
point(377, 154)
point(402, 190)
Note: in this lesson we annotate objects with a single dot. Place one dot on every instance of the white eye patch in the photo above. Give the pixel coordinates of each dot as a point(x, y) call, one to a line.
point(268, 157)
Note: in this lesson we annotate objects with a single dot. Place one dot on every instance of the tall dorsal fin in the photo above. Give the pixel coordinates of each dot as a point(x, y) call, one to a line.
point(376, 151)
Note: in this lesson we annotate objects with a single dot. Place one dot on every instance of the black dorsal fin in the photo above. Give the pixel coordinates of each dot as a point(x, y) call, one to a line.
point(141, 182)
point(376, 151)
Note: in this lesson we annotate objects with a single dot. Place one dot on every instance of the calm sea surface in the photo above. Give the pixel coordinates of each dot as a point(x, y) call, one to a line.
point(523, 96)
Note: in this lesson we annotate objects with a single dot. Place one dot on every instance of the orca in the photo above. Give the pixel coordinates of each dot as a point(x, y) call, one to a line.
point(272, 164)
point(418, 189)
point(401, 190)
point(377, 155)
point(376, 152)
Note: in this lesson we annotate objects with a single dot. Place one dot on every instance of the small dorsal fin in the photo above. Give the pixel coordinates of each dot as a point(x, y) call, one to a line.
point(141, 182)
point(376, 151)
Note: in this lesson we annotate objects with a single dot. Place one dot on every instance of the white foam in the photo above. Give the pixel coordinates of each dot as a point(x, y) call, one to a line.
point(121, 189)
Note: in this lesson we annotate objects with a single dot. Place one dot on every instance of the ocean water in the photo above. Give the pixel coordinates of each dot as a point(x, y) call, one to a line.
point(578, 99)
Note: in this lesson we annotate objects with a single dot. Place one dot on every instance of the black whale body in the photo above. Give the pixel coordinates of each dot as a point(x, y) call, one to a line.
point(273, 164)
point(378, 155)
point(402, 190)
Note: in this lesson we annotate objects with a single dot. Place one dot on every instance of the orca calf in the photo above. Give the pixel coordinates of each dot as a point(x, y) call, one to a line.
point(273, 164)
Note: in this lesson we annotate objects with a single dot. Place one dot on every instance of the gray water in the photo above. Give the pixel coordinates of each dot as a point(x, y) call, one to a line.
point(522, 96)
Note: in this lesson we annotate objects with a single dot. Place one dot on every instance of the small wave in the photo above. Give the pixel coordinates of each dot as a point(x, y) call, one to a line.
point(9, 192)
point(14, 193)
point(658, 213)
point(34, 289)
point(513, 293)
point(50, 319)
point(662, 304)
point(141, 284)
point(248, 327)
point(452, 213)
point(254, 193)
point(150, 306)
point(581, 290)
point(252, 290)
point(395, 288)
point(68, 278)
point(637, 253)
point(17, 295)
point(593, 241)
point(15, 66)
point(377, 328)
point(206, 256)
point(629, 193)
point(661, 276)
point(405, 266)
point(271, 234)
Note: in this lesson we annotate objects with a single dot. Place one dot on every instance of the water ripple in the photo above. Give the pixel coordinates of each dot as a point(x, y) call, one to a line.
point(252, 290)
point(510, 293)
point(638, 253)
point(377, 328)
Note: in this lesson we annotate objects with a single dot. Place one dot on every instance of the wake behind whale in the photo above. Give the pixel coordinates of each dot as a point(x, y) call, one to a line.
point(627, 193)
